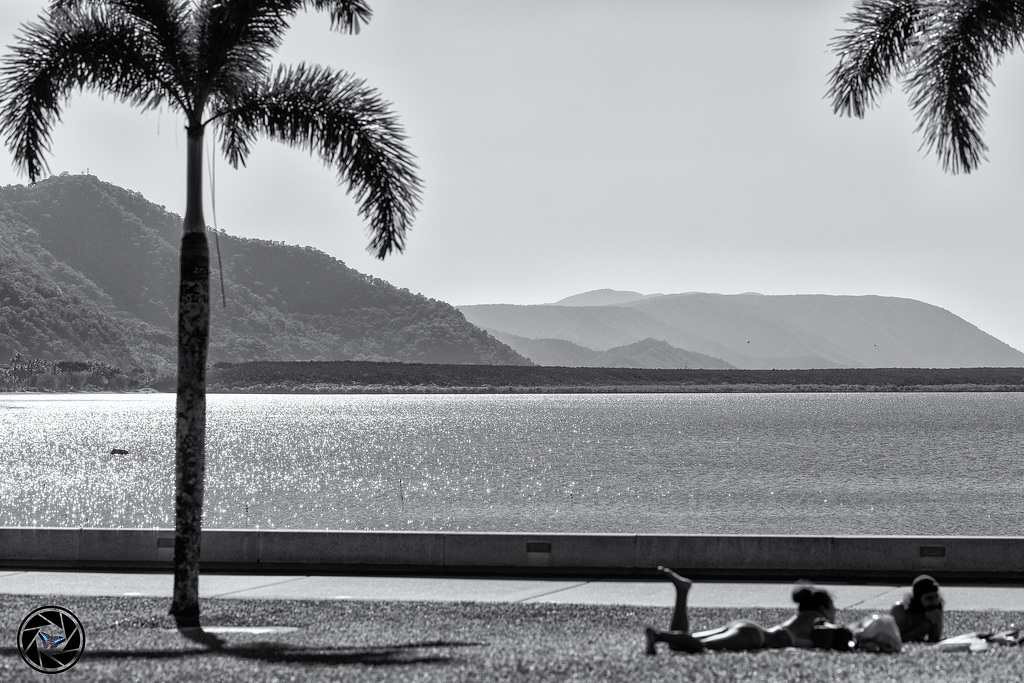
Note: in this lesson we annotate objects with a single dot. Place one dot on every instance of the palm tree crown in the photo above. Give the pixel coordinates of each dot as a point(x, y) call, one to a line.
point(943, 51)
point(210, 60)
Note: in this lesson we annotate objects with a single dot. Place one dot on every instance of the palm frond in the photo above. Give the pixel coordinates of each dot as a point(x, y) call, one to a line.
point(349, 127)
point(872, 53)
point(167, 22)
point(71, 4)
point(347, 16)
point(949, 86)
point(67, 51)
point(236, 39)
point(168, 26)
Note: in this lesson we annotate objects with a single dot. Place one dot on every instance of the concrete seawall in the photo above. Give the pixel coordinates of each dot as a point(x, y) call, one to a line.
point(315, 552)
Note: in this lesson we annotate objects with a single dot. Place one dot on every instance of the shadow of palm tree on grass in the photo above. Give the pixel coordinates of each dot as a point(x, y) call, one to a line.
point(284, 653)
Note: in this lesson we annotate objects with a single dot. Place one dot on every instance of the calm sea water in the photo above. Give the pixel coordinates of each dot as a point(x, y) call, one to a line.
point(935, 463)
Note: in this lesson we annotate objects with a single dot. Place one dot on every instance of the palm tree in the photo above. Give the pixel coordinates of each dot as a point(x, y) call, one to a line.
point(943, 51)
point(210, 61)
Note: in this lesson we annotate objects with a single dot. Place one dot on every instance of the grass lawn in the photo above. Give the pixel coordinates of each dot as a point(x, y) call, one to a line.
point(132, 639)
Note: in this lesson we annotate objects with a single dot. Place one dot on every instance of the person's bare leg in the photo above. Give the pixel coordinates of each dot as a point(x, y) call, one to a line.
point(677, 637)
point(710, 632)
point(737, 637)
point(680, 618)
point(676, 640)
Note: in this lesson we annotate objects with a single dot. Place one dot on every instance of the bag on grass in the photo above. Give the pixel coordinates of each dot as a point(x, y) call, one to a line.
point(979, 642)
point(965, 642)
point(828, 636)
point(877, 633)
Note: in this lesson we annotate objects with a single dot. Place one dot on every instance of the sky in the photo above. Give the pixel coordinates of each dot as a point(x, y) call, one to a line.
point(646, 145)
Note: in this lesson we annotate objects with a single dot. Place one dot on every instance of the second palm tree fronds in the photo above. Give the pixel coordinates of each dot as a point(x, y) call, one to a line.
point(943, 53)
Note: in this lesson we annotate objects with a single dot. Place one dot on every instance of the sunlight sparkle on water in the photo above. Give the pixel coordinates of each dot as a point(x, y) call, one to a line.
point(60, 472)
point(609, 463)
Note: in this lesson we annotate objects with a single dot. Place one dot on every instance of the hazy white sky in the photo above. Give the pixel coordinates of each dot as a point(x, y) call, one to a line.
point(650, 145)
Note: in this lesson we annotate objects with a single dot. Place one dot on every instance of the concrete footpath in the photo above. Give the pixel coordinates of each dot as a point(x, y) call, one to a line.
point(487, 589)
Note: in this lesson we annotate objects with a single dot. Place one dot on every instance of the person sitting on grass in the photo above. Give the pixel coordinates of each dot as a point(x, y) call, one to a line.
point(919, 613)
point(813, 605)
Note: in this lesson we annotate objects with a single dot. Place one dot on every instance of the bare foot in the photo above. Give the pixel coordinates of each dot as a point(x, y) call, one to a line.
point(649, 634)
point(681, 583)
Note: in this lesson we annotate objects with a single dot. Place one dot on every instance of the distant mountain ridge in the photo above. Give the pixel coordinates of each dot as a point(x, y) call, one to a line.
point(646, 353)
point(603, 297)
point(752, 331)
point(89, 271)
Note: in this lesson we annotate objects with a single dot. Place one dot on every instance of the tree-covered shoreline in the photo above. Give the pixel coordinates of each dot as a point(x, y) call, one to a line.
point(370, 377)
point(33, 374)
point(375, 377)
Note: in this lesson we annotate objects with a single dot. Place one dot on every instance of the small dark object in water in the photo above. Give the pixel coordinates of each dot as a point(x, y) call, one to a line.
point(118, 451)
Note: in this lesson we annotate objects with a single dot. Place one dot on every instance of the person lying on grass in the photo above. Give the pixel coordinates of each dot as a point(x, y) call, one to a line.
point(814, 605)
point(919, 613)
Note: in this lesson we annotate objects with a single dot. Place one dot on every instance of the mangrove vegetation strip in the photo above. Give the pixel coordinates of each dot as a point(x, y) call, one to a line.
point(377, 377)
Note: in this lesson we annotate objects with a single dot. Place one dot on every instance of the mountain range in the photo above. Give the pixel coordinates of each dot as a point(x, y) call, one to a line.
point(89, 272)
point(750, 331)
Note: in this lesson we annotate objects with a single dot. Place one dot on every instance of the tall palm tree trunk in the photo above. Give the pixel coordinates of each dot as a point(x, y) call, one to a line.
point(193, 340)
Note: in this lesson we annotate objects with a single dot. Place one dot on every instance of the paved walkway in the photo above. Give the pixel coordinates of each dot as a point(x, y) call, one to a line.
point(468, 589)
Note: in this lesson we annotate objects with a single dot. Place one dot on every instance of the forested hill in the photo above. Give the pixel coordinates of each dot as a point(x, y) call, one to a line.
point(89, 271)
